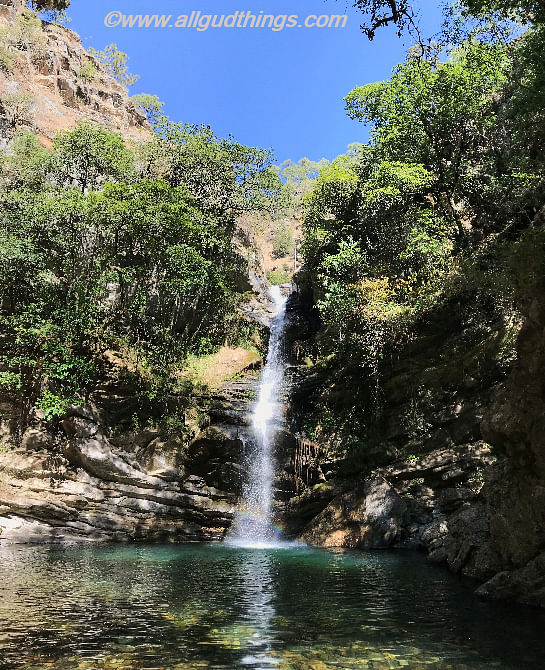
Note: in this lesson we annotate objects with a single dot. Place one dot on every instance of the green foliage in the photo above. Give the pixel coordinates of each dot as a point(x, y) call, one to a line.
point(438, 115)
point(280, 276)
point(402, 14)
point(530, 10)
point(94, 256)
point(27, 164)
point(150, 106)
point(11, 381)
point(87, 71)
point(52, 405)
point(173, 425)
point(6, 54)
point(223, 176)
point(445, 205)
point(283, 241)
point(301, 172)
point(25, 34)
point(114, 63)
point(299, 180)
point(90, 155)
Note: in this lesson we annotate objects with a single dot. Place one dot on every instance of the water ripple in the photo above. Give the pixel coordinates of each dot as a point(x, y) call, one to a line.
point(193, 606)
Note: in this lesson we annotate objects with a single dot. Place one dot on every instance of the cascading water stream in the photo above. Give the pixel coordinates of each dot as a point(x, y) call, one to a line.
point(253, 525)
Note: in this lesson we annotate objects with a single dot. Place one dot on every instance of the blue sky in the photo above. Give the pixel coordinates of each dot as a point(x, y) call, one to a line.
point(280, 90)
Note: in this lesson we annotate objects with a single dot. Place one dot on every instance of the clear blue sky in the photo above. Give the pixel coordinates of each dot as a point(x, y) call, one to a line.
point(282, 90)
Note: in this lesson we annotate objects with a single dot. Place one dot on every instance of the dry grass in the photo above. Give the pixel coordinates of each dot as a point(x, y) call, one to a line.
point(212, 371)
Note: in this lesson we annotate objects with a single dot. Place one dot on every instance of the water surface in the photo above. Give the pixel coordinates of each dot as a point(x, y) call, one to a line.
point(213, 606)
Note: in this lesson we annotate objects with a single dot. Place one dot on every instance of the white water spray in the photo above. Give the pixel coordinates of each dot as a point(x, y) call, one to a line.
point(253, 524)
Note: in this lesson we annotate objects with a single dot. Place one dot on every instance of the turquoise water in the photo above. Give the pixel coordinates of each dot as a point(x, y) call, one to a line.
point(212, 606)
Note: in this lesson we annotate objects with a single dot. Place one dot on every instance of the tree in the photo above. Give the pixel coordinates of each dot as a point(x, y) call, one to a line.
point(150, 106)
point(402, 13)
point(439, 115)
point(381, 13)
point(89, 155)
point(114, 63)
point(527, 10)
point(95, 255)
point(27, 164)
point(50, 5)
point(283, 241)
point(222, 175)
point(302, 171)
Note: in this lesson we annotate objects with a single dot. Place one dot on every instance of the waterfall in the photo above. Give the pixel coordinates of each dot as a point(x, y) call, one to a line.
point(253, 523)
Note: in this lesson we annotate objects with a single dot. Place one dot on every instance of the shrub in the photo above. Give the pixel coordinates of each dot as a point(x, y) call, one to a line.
point(280, 276)
point(17, 108)
point(52, 405)
point(6, 61)
point(283, 241)
point(10, 381)
point(114, 62)
point(28, 35)
point(6, 46)
point(87, 71)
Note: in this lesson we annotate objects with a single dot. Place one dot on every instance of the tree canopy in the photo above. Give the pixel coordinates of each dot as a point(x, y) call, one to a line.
point(105, 246)
point(50, 5)
point(455, 157)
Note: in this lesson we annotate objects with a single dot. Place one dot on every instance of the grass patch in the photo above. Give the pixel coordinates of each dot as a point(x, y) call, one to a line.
point(213, 370)
point(280, 276)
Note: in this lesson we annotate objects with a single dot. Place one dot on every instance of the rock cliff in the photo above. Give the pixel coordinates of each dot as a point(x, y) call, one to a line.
point(452, 460)
point(90, 478)
point(42, 73)
point(82, 482)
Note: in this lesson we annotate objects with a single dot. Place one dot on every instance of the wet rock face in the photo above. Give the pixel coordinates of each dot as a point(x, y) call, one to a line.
point(473, 488)
point(90, 489)
point(303, 324)
point(515, 424)
point(216, 455)
point(81, 484)
point(527, 584)
point(429, 503)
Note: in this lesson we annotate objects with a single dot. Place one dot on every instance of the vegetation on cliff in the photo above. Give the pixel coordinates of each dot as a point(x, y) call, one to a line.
point(109, 247)
point(440, 210)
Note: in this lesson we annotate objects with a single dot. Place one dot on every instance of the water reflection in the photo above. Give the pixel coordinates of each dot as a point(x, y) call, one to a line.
point(258, 587)
point(195, 606)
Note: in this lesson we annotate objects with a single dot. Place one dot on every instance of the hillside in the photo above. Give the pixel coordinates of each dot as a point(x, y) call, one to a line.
point(43, 84)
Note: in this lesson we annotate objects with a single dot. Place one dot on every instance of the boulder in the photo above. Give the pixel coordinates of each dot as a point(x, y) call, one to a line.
point(35, 439)
point(527, 584)
point(369, 517)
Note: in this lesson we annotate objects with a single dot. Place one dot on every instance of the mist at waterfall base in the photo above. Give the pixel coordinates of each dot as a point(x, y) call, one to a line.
point(253, 525)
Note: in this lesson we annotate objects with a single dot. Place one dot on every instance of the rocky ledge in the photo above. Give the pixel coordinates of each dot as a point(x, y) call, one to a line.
point(86, 488)
point(79, 483)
